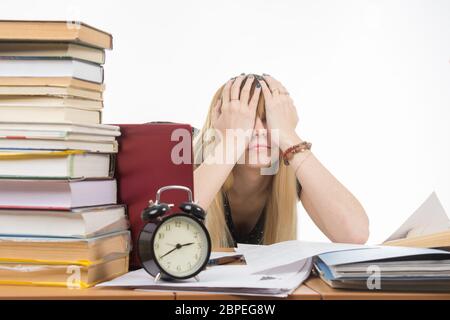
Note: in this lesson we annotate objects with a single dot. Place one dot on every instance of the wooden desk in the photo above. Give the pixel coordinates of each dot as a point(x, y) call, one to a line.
point(313, 289)
point(328, 293)
point(50, 293)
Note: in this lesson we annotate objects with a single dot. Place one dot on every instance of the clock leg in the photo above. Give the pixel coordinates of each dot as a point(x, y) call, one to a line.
point(158, 276)
point(197, 278)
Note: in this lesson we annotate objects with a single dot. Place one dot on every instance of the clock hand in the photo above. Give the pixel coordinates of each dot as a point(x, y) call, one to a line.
point(182, 245)
point(170, 251)
point(171, 244)
point(187, 244)
point(178, 246)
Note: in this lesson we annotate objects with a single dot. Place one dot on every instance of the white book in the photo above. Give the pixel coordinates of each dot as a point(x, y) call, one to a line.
point(56, 194)
point(53, 135)
point(54, 164)
point(42, 144)
point(98, 129)
point(50, 67)
point(59, 131)
point(75, 223)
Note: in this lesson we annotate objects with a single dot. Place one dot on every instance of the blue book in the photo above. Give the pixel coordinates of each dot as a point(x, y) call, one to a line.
point(386, 268)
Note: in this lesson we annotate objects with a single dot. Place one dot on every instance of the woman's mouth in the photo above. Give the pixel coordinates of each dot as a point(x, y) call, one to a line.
point(258, 146)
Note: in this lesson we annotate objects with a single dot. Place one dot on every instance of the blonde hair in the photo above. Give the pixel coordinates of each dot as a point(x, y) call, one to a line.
point(281, 207)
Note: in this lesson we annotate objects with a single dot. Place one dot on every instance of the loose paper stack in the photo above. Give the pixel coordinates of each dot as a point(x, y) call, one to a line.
point(232, 279)
point(60, 223)
point(260, 277)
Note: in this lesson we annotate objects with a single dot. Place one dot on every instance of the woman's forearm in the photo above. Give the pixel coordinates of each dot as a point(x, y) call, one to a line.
point(211, 175)
point(208, 179)
point(334, 209)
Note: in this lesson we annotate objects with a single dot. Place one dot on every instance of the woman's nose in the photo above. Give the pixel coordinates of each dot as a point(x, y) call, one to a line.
point(260, 128)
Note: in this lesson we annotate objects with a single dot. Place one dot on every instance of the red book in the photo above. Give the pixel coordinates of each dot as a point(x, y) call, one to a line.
point(152, 156)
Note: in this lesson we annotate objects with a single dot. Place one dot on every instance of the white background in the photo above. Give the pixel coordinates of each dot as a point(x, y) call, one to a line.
point(371, 80)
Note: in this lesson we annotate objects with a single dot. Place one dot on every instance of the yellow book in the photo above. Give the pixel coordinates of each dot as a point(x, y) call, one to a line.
point(54, 31)
point(62, 82)
point(435, 240)
point(71, 276)
point(64, 251)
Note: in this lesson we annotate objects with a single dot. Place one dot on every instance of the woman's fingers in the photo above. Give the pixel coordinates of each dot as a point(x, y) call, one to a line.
point(284, 90)
point(236, 88)
point(253, 104)
point(274, 85)
point(266, 91)
point(245, 92)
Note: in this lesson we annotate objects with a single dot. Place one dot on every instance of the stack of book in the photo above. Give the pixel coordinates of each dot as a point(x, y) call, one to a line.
point(60, 223)
point(386, 268)
point(416, 257)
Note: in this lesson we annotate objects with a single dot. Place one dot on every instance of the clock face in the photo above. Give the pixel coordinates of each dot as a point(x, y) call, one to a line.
point(181, 246)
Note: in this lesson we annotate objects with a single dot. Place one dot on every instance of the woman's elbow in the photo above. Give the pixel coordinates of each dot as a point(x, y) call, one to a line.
point(359, 236)
point(354, 227)
point(358, 229)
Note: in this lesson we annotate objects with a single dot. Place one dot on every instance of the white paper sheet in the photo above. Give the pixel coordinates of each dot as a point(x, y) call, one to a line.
point(429, 218)
point(231, 279)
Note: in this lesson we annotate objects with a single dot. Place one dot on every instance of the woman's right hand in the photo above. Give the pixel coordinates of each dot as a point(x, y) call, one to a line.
point(235, 110)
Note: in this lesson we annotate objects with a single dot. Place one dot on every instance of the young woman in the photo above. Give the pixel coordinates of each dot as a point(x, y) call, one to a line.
point(243, 204)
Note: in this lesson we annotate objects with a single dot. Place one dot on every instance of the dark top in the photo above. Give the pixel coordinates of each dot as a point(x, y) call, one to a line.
point(253, 237)
point(256, 235)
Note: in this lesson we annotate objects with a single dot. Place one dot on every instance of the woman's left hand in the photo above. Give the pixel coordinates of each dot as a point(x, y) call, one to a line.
point(281, 113)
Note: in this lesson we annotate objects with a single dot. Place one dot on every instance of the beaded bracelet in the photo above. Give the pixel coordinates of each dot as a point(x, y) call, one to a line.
point(291, 151)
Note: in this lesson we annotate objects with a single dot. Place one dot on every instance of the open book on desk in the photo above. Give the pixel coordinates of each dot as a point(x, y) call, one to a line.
point(275, 270)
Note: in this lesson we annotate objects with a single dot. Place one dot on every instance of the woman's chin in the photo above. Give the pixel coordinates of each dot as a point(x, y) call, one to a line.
point(257, 165)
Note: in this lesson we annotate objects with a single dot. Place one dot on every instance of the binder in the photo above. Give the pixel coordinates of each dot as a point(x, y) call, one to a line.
point(145, 164)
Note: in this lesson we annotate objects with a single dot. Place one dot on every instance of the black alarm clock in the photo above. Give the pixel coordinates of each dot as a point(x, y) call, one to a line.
point(174, 246)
